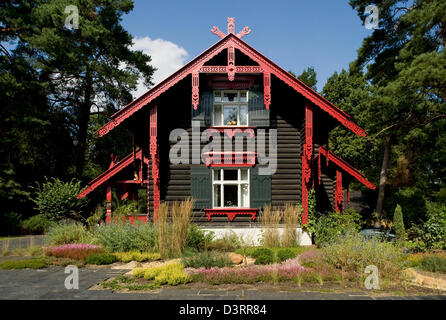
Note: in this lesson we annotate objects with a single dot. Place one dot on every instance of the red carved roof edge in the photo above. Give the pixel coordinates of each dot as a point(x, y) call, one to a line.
point(118, 117)
point(346, 167)
point(106, 175)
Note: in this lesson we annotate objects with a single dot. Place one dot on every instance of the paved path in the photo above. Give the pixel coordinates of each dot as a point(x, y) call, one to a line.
point(49, 284)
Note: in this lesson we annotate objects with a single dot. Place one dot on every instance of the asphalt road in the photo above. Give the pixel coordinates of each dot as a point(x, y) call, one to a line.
point(48, 284)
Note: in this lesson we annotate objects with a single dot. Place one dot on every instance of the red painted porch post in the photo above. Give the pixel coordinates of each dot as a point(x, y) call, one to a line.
point(108, 199)
point(339, 195)
point(155, 160)
point(306, 159)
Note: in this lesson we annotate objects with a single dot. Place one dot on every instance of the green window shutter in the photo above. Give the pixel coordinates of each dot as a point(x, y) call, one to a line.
point(258, 115)
point(201, 186)
point(204, 109)
point(260, 188)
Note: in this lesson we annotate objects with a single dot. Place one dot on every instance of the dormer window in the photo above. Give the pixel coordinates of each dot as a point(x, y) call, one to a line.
point(230, 108)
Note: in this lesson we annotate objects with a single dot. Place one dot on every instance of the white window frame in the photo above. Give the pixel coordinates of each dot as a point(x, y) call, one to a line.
point(236, 103)
point(237, 182)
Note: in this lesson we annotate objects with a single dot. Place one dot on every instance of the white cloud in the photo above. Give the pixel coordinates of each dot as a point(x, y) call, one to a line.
point(167, 57)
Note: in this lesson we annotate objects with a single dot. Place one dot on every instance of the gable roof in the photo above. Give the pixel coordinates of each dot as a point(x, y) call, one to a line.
point(265, 64)
point(109, 173)
point(346, 167)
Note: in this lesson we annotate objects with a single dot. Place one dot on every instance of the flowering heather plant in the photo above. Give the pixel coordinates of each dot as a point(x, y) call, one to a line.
point(78, 251)
point(288, 270)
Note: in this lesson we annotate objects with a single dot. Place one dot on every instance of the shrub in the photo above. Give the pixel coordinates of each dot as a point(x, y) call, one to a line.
point(229, 242)
point(101, 259)
point(329, 228)
point(413, 204)
point(37, 224)
point(23, 264)
point(354, 253)
point(286, 271)
point(285, 254)
point(126, 237)
point(398, 224)
point(137, 256)
point(79, 251)
point(432, 233)
point(263, 256)
point(66, 233)
point(434, 264)
point(207, 259)
point(171, 274)
point(57, 200)
point(197, 238)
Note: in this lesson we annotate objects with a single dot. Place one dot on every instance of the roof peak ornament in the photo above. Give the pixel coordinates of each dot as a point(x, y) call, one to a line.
point(231, 29)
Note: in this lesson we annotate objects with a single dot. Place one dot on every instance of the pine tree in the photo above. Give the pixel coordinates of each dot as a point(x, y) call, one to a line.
point(398, 224)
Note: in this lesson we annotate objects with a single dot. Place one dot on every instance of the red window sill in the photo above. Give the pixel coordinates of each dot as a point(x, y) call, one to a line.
point(231, 212)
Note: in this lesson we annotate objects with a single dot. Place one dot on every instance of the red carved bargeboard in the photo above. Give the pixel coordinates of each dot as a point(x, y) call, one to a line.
point(265, 66)
point(231, 212)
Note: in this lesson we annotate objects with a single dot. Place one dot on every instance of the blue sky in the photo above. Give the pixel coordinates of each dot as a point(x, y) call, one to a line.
point(295, 34)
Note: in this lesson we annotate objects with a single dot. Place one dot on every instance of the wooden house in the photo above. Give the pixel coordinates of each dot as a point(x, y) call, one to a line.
point(233, 92)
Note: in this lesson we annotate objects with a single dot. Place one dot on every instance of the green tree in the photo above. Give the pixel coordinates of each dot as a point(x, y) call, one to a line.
point(89, 68)
point(406, 66)
point(398, 224)
point(308, 76)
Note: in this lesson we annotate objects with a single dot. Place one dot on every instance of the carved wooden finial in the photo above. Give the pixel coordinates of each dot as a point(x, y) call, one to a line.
point(231, 25)
point(231, 29)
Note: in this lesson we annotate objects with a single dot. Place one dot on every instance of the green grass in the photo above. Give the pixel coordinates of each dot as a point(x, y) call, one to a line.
point(10, 238)
point(38, 263)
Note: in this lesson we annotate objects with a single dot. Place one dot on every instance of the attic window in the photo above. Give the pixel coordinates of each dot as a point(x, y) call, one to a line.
point(230, 108)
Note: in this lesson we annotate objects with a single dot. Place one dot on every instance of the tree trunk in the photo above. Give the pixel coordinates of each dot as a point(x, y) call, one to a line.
point(83, 121)
point(383, 177)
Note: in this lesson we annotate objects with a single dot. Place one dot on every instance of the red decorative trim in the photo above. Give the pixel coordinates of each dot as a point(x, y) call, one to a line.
point(346, 167)
point(107, 175)
point(155, 160)
point(195, 89)
point(304, 196)
point(319, 169)
point(218, 32)
point(299, 86)
point(308, 130)
point(231, 63)
point(224, 69)
point(265, 64)
point(163, 86)
point(108, 204)
point(339, 195)
point(231, 25)
point(245, 31)
point(230, 159)
point(240, 82)
point(267, 89)
point(306, 159)
point(231, 212)
point(231, 131)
